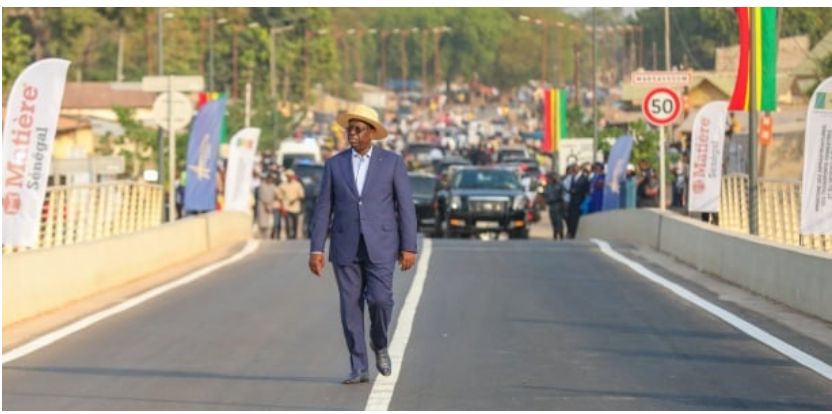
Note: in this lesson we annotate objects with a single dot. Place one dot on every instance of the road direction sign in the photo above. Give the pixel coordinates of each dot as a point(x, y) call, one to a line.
point(182, 110)
point(661, 78)
point(173, 83)
point(661, 106)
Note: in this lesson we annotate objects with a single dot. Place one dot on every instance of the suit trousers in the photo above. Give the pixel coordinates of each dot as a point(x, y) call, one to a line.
point(358, 282)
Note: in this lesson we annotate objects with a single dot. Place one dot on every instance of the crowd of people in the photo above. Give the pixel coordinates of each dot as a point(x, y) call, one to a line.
point(580, 191)
point(279, 201)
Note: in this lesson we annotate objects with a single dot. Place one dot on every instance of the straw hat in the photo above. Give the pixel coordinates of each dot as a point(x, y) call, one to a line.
point(290, 173)
point(366, 114)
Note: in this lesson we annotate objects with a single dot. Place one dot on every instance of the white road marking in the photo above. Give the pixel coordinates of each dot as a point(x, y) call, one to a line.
point(767, 339)
point(61, 333)
point(383, 387)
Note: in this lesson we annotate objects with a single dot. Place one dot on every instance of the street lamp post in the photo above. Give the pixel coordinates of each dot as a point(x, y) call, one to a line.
point(424, 64)
point(594, 87)
point(559, 35)
point(273, 32)
point(358, 51)
point(437, 71)
point(234, 34)
point(543, 52)
point(577, 48)
point(383, 79)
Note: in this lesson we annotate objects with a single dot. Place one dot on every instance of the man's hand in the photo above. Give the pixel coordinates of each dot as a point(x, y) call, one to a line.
point(316, 264)
point(407, 259)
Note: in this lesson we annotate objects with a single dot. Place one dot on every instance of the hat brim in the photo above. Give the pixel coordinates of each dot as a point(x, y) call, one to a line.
point(344, 119)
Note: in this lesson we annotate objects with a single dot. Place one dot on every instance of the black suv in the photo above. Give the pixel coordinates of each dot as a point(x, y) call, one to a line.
point(484, 200)
point(425, 188)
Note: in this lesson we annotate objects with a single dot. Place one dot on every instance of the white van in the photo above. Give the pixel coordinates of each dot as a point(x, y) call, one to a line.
point(292, 150)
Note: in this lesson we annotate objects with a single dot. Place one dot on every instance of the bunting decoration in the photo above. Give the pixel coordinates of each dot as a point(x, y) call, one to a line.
point(765, 60)
point(554, 119)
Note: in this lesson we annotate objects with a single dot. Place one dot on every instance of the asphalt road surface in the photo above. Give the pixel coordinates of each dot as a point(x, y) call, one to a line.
point(499, 325)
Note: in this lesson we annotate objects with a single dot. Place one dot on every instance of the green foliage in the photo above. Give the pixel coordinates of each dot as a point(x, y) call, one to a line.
point(578, 124)
point(137, 145)
point(646, 143)
point(15, 53)
point(494, 43)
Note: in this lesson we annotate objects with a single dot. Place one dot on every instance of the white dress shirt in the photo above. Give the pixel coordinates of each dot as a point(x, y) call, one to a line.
point(360, 164)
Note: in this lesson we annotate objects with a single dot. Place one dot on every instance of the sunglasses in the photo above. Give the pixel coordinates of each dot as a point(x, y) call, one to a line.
point(357, 129)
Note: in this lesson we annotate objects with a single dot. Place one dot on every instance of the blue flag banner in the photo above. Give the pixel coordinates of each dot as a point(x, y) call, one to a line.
point(616, 170)
point(201, 162)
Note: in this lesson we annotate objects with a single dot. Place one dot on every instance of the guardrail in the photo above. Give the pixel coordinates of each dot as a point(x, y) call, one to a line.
point(74, 214)
point(779, 211)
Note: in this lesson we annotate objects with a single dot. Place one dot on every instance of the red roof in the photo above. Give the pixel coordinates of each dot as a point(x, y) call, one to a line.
point(106, 95)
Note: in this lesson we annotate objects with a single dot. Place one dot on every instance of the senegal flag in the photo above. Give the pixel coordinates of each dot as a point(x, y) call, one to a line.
point(554, 119)
point(765, 60)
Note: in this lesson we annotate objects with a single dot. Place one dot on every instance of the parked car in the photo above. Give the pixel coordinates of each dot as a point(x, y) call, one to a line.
point(509, 153)
point(425, 188)
point(532, 178)
point(442, 167)
point(484, 201)
point(419, 155)
point(305, 171)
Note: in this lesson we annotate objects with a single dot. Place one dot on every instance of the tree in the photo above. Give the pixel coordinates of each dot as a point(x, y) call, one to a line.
point(137, 145)
point(645, 144)
point(15, 53)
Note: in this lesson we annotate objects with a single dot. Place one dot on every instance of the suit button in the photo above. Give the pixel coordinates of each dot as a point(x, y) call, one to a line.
point(360, 203)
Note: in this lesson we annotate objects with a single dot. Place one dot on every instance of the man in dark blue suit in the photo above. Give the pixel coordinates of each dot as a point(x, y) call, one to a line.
point(365, 195)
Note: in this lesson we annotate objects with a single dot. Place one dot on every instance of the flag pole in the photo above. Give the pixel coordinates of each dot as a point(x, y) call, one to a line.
point(752, 129)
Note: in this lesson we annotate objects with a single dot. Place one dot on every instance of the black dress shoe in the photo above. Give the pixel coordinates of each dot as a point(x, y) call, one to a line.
point(383, 362)
point(356, 378)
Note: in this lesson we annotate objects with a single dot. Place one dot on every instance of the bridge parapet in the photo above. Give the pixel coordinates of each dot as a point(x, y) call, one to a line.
point(43, 280)
point(794, 276)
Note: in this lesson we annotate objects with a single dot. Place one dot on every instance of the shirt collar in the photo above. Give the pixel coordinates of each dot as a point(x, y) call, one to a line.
point(355, 153)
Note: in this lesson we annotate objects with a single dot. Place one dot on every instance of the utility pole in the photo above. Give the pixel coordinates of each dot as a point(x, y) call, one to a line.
point(667, 38)
point(753, 172)
point(235, 31)
point(543, 53)
point(273, 32)
point(559, 42)
point(306, 78)
point(272, 65)
point(159, 134)
point(655, 56)
point(358, 51)
point(403, 51)
point(577, 48)
point(383, 79)
point(594, 89)
point(211, 52)
point(161, 69)
point(640, 50)
point(424, 64)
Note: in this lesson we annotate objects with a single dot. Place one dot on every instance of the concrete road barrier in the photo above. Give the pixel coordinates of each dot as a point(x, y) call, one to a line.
point(40, 281)
point(797, 277)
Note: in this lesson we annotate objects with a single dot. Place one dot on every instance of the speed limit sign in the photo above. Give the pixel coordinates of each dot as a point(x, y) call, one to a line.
point(661, 106)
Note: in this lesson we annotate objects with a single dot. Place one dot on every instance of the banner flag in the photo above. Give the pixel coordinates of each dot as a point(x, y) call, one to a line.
point(33, 109)
point(205, 97)
point(554, 119)
point(706, 145)
point(765, 60)
point(201, 161)
point(816, 186)
point(616, 172)
point(238, 175)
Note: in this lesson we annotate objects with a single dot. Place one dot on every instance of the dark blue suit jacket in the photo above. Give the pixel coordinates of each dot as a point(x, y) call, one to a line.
point(384, 213)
